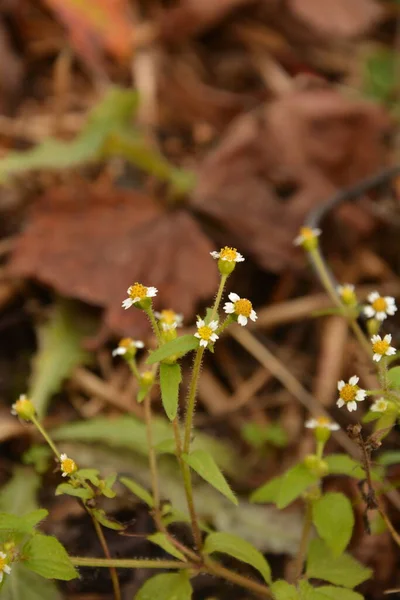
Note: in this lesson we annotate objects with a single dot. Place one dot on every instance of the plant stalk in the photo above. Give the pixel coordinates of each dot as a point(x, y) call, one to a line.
point(103, 543)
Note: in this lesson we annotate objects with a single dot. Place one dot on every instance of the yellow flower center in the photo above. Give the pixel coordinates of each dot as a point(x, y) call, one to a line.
point(138, 291)
point(380, 347)
point(307, 233)
point(168, 316)
point(348, 296)
point(243, 307)
point(205, 332)
point(379, 305)
point(125, 342)
point(381, 405)
point(68, 466)
point(2, 563)
point(348, 392)
point(323, 421)
point(22, 404)
point(228, 254)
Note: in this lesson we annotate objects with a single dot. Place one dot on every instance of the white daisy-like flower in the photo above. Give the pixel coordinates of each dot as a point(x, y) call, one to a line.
point(323, 423)
point(228, 254)
point(137, 292)
point(380, 405)
point(169, 319)
point(68, 465)
point(240, 307)
point(380, 306)
point(350, 393)
point(306, 236)
point(381, 347)
point(4, 567)
point(347, 294)
point(125, 345)
point(206, 333)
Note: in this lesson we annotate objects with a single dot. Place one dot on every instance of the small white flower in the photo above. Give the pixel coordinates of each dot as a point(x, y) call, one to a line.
point(323, 423)
point(68, 466)
point(138, 292)
point(350, 393)
point(381, 347)
point(380, 306)
point(125, 345)
point(240, 307)
point(4, 567)
point(306, 235)
point(347, 294)
point(205, 333)
point(228, 254)
point(169, 319)
point(380, 405)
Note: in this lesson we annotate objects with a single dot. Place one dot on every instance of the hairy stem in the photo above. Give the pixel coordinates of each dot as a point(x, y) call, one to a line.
point(46, 437)
point(152, 457)
point(218, 296)
point(127, 563)
point(103, 543)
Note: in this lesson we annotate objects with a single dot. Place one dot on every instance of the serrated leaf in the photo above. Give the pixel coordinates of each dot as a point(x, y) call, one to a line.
point(203, 463)
point(393, 376)
point(170, 378)
point(330, 592)
point(239, 549)
point(282, 590)
point(23, 584)
point(293, 483)
point(181, 346)
point(19, 493)
point(106, 521)
point(161, 540)
point(70, 490)
point(334, 520)
point(22, 524)
point(138, 490)
point(44, 555)
point(60, 351)
point(167, 586)
point(342, 570)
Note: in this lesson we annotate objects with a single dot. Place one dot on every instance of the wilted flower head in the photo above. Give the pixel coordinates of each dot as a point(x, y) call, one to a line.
point(206, 333)
point(380, 306)
point(241, 307)
point(350, 393)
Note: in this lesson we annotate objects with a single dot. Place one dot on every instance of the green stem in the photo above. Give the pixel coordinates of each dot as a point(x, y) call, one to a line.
point(133, 367)
point(244, 582)
point(302, 552)
point(154, 324)
point(218, 296)
point(229, 319)
point(152, 456)
point(191, 403)
point(46, 436)
point(127, 563)
point(103, 543)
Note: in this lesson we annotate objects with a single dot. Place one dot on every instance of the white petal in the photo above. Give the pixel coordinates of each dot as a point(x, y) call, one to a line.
point(213, 325)
point(340, 402)
point(214, 254)
point(316, 231)
point(214, 337)
point(197, 335)
point(351, 406)
point(151, 292)
point(229, 308)
point(390, 351)
point(253, 315)
point(298, 240)
point(242, 320)
point(311, 424)
point(234, 297)
point(373, 296)
point(389, 300)
point(377, 357)
point(369, 312)
point(388, 338)
point(376, 338)
point(64, 475)
point(360, 396)
point(391, 310)
point(354, 380)
point(200, 323)
point(381, 316)
point(340, 385)
point(7, 569)
point(334, 426)
point(2, 555)
point(1, 576)
point(127, 303)
point(138, 344)
point(239, 257)
point(203, 343)
point(63, 457)
point(118, 351)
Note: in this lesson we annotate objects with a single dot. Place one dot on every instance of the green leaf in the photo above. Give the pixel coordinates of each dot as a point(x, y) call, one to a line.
point(293, 483)
point(342, 464)
point(260, 435)
point(108, 522)
point(60, 351)
point(22, 524)
point(91, 475)
point(45, 556)
point(181, 346)
point(138, 490)
point(142, 393)
point(282, 590)
point(330, 592)
point(19, 493)
point(170, 378)
point(267, 492)
point(391, 457)
point(393, 376)
point(161, 540)
point(203, 463)
point(334, 520)
point(167, 586)
point(70, 490)
point(342, 570)
point(39, 456)
point(379, 76)
point(23, 584)
point(239, 549)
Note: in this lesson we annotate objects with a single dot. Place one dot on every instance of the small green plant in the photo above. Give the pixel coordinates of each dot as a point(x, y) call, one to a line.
point(323, 568)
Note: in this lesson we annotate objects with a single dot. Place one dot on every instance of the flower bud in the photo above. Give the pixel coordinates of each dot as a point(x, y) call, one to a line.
point(23, 408)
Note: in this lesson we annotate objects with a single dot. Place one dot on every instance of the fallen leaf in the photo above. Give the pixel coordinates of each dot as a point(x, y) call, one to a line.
point(91, 244)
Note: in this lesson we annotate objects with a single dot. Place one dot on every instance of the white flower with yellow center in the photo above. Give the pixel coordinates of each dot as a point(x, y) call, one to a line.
point(347, 294)
point(350, 393)
point(307, 236)
point(4, 567)
point(380, 306)
point(68, 466)
point(126, 345)
point(206, 333)
point(323, 423)
point(228, 254)
point(138, 292)
point(380, 405)
point(241, 307)
point(381, 347)
point(169, 319)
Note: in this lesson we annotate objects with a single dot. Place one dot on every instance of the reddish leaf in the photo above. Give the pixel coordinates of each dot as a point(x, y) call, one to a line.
point(91, 245)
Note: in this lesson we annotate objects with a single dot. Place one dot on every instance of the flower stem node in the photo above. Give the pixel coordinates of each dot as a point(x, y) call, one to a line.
point(23, 408)
point(140, 296)
point(128, 348)
point(227, 259)
point(317, 466)
point(68, 465)
point(322, 428)
point(312, 494)
point(241, 308)
point(350, 393)
point(4, 566)
point(206, 333)
point(308, 238)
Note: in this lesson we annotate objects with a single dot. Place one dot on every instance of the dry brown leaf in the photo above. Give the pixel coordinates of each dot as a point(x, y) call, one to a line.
point(91, 244)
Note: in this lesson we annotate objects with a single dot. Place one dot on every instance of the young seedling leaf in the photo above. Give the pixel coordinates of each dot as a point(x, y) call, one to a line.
point(180, 346)
point(138, 490)
point(281, 590)
point(203, 463)
point(161, 539)
point(239, 549)
point(341, 570)
point(70, 490)
point(44, 555)
point(334, 520)
point(165, 587)
point(293, 483)
point(170, 378)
